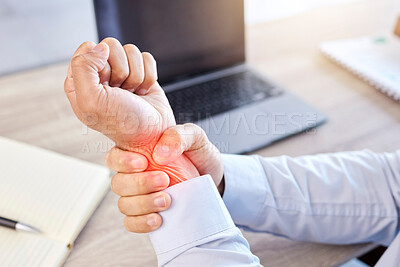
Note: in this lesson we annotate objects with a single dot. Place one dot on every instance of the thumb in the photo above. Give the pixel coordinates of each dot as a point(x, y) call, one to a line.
point(178, 139)
point(85, 70)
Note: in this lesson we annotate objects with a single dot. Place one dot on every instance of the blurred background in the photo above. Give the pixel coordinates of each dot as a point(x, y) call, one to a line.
point(40, 32)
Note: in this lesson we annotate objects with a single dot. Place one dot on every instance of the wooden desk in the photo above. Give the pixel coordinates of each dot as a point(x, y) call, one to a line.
point(33, 109)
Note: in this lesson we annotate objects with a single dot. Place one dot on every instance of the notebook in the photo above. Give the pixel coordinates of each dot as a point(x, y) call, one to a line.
point(375, 59)
point(51, 192)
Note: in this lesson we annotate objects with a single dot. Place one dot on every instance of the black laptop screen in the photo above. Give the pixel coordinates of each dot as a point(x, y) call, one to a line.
point(187, 37)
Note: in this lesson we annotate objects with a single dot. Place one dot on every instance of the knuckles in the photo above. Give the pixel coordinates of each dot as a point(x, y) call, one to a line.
point(123, 205)
point(115, 184)
point(148, 56)
point(121, 186)
point(134, 80)
point(136, 225)
point(131, 48)
point(133, 205)
point(119, 76)
point(151, 77)
point(121, 163)
point(87, 45)
point(130, 224)
point(79, 61)
point(111, 41)
point(141, 181)
point(139, 224)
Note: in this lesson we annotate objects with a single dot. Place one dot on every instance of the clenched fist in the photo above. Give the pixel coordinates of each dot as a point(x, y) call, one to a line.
point(113, 89)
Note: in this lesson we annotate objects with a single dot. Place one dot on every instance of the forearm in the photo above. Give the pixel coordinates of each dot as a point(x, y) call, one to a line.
point(334, 198)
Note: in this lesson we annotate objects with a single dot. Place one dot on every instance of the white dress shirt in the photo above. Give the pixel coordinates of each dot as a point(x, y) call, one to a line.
point(341, 198)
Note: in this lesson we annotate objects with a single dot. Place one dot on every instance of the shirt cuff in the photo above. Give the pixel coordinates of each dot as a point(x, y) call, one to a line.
point(197, 211)
point(245, 187)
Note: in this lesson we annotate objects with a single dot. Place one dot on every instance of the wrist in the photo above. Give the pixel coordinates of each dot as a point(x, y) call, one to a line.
point(178, 171)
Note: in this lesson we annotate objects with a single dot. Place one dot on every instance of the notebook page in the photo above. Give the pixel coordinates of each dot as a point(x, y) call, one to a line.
point(375, 59)
point(24, 249)
point(51, 192)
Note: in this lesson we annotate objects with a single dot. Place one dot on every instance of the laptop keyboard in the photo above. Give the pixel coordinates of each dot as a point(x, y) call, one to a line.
point(210, 98)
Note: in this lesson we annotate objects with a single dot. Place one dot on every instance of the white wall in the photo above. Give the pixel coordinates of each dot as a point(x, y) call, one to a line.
point(39, 32)
point(258, 11)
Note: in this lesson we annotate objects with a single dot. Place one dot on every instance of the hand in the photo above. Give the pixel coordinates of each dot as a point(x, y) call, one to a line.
point(113, 89)
point(139, 188)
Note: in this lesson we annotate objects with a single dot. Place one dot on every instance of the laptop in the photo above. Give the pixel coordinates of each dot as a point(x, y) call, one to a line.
point(199, 47)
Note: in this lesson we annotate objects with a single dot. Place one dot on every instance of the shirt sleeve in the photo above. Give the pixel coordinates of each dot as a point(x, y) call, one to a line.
point(197, 228)
point(340, 198)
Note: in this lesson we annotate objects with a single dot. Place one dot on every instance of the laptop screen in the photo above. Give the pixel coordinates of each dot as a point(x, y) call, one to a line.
point(187, 37)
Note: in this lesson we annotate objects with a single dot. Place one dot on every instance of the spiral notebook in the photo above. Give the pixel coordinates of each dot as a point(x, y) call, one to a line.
point(375, 59)
point(54, 193)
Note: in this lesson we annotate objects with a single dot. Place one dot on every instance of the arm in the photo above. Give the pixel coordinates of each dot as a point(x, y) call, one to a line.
point(337, 198)
point(113, 89)
point(197, 226)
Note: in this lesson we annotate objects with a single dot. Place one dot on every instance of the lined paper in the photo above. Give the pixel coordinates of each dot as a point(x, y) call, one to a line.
point(24, 249)
point(51, 192)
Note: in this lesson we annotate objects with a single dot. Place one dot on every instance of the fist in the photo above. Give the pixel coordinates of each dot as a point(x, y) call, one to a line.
point(113, 89)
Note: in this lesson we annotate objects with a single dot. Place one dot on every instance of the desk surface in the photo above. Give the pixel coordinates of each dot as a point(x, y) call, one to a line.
point(33, 109)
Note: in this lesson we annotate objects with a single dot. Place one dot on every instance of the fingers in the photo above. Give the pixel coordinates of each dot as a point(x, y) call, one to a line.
point(178, 139)
point(143, 224)
point(125, 66)
point(69, 87)
point(132, 184)
point(118, 62)
point(144, 204)
point(130, 69)
point(84, 48)
point(192, 140)
point(123, 161)
point(141, 198)
point(142, 70)
point(85, 70)
point(105, 74)
point(150, 70)
point(136, 68)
